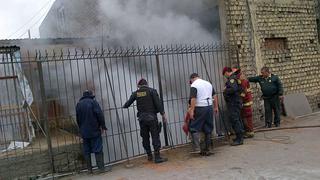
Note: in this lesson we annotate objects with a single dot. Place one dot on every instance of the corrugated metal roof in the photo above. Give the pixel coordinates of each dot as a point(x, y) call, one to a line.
point(8, 49)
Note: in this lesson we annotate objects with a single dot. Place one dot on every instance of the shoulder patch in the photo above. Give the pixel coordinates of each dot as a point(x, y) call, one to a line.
point(141, 94)
point(231, 81)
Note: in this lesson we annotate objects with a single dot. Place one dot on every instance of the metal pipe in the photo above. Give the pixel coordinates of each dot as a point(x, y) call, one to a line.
point(161, 98)
point(117, 114)
point(44, 113)
point(285, 128)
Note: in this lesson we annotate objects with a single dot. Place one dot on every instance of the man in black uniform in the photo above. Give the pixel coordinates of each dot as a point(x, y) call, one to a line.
point(233, 100)
point(148, 105)
point(272, 93)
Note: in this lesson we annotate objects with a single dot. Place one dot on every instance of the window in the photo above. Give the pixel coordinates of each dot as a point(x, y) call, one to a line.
point(61, 19)
point(276, 44)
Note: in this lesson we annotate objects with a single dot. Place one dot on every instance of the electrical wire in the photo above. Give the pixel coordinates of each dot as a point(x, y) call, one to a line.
point(30, 20)
point(41, 17)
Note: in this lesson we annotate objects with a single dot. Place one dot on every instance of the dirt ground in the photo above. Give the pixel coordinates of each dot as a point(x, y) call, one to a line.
point(282, 154)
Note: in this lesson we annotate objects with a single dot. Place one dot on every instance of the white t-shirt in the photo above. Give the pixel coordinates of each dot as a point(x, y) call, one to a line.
point(204, 92)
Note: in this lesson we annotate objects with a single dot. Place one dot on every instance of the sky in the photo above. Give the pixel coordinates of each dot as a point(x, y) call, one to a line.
point(17, 16)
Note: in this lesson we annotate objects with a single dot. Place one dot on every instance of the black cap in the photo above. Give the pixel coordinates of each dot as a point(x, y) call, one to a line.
point(194, 75)
point(88, 93)
point(142, 82)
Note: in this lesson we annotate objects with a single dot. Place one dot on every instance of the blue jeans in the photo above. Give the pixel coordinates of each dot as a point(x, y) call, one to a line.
point(203, 120)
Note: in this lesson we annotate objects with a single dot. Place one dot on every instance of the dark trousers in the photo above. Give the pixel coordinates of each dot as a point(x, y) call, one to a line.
point(272, 105)
point(150, 126)
point(203, 120)
point(92, 145)
point(234, 113)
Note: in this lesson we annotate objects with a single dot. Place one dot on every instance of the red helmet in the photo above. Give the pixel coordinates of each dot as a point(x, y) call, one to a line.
point(226, 69)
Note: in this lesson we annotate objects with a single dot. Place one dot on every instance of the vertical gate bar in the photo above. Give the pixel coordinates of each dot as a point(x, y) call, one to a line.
point(109, 105)
point(163, 55)
point(15, 81)
point(2, 127)
point(180, 99)
point(31, 84)
point(8, 96)
point(44, 114)
point(151, 64)
point(57, 109)
point(126, 97)
point(7, 73)
point(15, 109)
point(120, 109)
point(131, 89)
point(186, 80)
point(71, 66)
point(161, 98)
point(111, 81)
point(50, 79)
point(175, 90)
point(69, 117)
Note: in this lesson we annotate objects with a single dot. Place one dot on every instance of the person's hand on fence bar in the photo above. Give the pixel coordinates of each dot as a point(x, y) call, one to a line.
point(281, 99)
point(104, 130)
point(164, 118)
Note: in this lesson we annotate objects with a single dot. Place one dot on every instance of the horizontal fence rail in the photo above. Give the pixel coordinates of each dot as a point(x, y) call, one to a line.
point(56, 79)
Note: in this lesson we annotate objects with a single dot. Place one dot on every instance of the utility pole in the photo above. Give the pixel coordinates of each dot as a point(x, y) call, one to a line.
point(29, 33)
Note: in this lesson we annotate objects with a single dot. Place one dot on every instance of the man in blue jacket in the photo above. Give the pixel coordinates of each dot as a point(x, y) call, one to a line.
point(91, 123)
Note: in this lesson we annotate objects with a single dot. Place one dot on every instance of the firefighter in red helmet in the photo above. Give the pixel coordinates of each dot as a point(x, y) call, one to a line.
point(247, 100)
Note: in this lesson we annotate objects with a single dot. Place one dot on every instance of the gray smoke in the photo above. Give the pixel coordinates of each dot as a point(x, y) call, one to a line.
point(137, 23)
point(154, 22)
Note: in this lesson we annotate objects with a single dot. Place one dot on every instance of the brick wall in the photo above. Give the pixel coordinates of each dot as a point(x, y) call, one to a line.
point(249, 23)
point(298, 64)
point(239, 33)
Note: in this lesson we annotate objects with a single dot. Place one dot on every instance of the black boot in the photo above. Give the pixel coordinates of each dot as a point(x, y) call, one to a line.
point(158, 158)
point(268, 125)
point(195, 143)
point(207, 143)
point(150, 157)
point(100, 163)
point(202, 146)
point(238, 141)
point(88, 162)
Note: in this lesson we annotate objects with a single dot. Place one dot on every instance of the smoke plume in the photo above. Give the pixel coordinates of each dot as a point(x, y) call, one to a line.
point(153, 22)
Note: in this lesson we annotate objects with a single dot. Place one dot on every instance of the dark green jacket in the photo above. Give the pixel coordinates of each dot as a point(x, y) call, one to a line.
point(270, 86)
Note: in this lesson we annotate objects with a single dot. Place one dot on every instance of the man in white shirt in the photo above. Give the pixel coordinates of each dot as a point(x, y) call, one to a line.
point(202, 103)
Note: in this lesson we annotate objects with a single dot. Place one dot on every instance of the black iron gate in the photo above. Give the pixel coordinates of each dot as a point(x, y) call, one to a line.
point(57, 80)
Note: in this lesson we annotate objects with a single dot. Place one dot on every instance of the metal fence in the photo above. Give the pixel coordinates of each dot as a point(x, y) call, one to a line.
point(56, 81)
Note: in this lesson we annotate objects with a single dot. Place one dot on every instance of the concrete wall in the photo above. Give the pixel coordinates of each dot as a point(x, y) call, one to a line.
point(37, 164)
point(250, 22)
point(72, 18)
